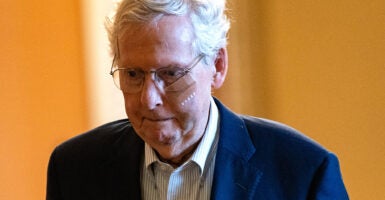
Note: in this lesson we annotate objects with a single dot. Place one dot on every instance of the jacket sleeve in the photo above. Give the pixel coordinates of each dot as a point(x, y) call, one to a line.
point(53, 188)
point(327, 182)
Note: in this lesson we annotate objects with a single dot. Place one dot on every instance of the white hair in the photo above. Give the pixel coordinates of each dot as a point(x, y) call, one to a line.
point(209, 21)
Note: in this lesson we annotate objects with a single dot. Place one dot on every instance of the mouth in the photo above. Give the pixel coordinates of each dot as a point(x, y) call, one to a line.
point(157, 119)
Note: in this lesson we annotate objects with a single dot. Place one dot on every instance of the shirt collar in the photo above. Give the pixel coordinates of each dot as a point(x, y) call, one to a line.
point(202, 152)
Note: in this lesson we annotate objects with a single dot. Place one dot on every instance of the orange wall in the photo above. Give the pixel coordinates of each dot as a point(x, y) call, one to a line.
point(318, 66)
point(329, 81)
point(42, 90)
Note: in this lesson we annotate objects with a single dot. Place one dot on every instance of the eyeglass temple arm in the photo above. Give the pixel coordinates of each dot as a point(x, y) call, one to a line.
point(195, 63)
point(112, 65)
point(114, 59)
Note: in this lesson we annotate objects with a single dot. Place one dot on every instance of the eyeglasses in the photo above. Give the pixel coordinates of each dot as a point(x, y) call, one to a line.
point(130, 80)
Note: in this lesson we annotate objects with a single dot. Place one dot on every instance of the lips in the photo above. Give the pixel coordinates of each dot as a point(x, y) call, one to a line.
point(158, 119)
point(156, 123)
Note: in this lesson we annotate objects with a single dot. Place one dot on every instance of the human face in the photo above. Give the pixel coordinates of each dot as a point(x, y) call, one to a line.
point(172, 123)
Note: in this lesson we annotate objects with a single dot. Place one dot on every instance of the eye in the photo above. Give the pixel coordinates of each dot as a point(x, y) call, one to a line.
point(131, 73)
point(170, 72)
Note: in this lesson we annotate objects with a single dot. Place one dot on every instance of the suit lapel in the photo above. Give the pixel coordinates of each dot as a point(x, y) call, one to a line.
point(235, 177)
point(122, 172)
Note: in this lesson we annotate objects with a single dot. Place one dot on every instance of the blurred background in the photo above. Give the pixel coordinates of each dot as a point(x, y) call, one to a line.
point(318, 66)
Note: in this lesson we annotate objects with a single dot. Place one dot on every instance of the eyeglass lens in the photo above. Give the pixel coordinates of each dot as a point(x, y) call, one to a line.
point(131, 80)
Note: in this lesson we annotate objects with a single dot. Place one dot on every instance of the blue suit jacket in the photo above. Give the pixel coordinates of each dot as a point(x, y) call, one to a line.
point(256, 159)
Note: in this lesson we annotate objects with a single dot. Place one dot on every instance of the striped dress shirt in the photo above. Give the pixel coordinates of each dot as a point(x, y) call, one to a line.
point(190, 181)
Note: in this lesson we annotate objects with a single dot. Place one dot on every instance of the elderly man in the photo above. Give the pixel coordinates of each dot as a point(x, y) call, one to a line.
point(178, 141)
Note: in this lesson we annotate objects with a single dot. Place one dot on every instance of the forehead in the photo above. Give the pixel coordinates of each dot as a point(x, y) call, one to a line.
point(167, 37)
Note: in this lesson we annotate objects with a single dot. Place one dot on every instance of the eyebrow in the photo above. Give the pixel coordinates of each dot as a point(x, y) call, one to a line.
point(168, 66)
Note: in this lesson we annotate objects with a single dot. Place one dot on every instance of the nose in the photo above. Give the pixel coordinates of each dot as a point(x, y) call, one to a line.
point(151, 95)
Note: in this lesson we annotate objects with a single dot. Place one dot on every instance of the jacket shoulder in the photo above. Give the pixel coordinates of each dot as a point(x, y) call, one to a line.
point(280, 136)
point(293, 161)
point(101, 134)
point(96, 143)
point(81, 167)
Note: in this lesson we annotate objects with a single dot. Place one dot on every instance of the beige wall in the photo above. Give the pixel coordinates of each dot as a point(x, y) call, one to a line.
point(318, 66)
point(315, 65)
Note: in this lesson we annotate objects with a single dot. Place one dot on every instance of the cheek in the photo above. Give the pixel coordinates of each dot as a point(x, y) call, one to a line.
point(190, 101)
point(131, 106)
point(185, 99)
point(183, 92)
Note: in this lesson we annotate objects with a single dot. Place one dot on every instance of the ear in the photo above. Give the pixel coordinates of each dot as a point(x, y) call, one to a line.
point(220, 69)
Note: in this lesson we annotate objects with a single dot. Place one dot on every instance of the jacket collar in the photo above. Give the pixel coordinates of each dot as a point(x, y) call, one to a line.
point(233, 133)
point(235, 177)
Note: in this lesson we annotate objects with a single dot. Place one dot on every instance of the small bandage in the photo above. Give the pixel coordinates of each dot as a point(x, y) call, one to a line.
point(183, 90)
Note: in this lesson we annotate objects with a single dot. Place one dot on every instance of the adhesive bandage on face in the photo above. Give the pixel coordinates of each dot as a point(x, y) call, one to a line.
point(183, 90)
point(188, 99)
